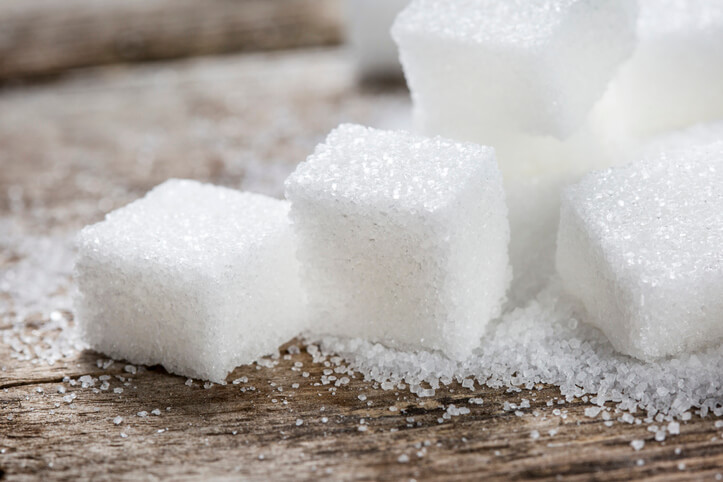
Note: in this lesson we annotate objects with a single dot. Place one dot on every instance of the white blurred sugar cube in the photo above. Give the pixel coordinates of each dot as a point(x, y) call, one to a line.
point(402, 239)
point(535, 170)
point(642, 247)
point(197, 278)
point(368, 23)
point(675, 77)
point(481, 68)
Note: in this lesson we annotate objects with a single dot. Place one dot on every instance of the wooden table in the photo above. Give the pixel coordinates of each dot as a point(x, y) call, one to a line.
point(71, 151)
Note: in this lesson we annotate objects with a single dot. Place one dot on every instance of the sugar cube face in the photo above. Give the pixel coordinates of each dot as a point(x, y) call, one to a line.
point(674, 77)
point(197, 278)
point(478, 68)
point(641, 247)
point(402, 239)
point(368, 23)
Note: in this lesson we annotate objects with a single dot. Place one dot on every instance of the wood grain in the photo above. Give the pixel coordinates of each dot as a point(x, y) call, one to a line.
point(73, 150)
point(44, 37)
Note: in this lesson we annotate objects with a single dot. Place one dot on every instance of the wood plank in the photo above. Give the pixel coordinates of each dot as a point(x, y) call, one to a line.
point(72, 151)
point(43, 37)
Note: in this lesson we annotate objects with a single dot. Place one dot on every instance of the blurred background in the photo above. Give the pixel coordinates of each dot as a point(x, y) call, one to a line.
point(100, 100)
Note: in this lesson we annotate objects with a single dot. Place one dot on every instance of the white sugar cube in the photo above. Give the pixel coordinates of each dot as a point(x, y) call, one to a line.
point(197, 278)
point(368, 25)
point(402, 239)
point(479, 68)
point(642, 247)
point(675, 76)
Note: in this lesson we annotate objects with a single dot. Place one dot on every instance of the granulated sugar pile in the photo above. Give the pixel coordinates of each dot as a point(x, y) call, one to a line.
point(545, 342)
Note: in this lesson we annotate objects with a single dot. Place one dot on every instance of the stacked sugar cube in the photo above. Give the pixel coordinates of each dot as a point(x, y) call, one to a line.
point(482, 68)
point(402, 239)
point(675, 76)
point(197, 278)
point(642, 247)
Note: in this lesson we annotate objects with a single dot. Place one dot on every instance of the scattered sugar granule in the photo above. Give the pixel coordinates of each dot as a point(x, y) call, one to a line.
point(681, 466)
point(362, 397)
point(362, 428)
point(130, 369)
point(403, 459)
point(324, 419)
point(718, 424)
point(155, 412)
point(592, 412)
point(118, 420)
point(534, 435)
point(86, 381)
point(637, 444)
point(674, 428)
point(299, 422)
point(142, 413)
point(189, 382)
point(207, 385)
point(118, 390)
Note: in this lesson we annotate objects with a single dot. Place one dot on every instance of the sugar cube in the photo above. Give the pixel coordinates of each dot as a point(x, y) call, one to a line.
point(368, 24)
point(641, 247)
point(674, 78)
point(402, 239)
point(197, 278)
point(478, 68)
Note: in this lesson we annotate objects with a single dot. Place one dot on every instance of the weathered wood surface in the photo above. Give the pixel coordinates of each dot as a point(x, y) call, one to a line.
point(43, 37)
point(72, 151)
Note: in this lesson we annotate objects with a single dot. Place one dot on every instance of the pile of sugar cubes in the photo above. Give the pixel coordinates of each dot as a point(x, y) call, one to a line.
point(531, 164)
